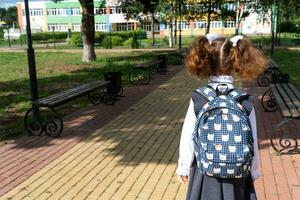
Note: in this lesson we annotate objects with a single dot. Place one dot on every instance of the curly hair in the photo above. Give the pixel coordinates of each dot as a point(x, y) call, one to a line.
point(221, 58)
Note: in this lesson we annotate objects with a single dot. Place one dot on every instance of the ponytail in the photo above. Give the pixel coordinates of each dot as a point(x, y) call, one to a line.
point(247, 61)
point(197, 59)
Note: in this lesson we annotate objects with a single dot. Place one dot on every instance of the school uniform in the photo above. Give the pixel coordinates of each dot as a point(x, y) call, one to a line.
point(203, 187)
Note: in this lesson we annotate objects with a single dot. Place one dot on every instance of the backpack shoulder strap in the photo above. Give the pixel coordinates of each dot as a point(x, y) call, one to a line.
point(199, 101)
point(208, 92)
point(201, 96)
point(243, 98)
point(248, 103)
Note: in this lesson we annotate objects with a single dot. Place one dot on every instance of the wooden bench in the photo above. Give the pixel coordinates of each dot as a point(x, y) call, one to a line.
point(37, 121)
point(286, 97)
point(141, 73)
point(264, 79)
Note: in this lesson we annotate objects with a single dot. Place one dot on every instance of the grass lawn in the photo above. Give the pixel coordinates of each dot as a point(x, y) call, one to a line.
point(289, 62)
point(56, 72)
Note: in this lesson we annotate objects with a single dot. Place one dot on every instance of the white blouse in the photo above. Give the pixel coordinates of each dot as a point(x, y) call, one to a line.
point(186, 148)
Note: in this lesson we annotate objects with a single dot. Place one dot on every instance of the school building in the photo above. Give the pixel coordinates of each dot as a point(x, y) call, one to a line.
point(66, 15)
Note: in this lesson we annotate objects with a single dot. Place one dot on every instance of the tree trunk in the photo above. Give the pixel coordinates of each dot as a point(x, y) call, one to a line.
point(175, 28)
point(152, 28)
point(208, 18)
point(88, 30)
point(171, 34)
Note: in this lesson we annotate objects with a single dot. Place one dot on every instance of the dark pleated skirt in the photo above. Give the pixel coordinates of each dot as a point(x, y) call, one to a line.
point(202, 187)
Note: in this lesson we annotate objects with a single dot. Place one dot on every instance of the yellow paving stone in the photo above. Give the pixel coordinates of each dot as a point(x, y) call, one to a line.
point(115, 172)
point(112, 172)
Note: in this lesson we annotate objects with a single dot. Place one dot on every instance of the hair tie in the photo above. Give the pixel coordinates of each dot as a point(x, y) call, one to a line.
point(211, 37)
point(235, 39)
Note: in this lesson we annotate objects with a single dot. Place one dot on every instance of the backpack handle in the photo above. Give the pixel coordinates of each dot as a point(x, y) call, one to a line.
point(220, 92)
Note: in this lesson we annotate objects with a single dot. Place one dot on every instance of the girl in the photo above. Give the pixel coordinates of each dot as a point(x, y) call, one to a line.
point(219, 60)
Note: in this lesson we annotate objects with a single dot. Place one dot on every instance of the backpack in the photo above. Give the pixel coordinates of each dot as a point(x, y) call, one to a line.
point(222, 136)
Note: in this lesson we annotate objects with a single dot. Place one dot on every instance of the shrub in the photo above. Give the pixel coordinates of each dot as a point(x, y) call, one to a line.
point(99, 36)
point(128, 43)
point(48, 36)
point(76, 39)
point(115, 41)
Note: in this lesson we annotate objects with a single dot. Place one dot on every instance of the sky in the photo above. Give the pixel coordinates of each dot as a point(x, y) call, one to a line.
point(7, 3)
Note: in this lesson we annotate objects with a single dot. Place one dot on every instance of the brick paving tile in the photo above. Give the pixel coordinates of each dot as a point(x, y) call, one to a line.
point(134, 156)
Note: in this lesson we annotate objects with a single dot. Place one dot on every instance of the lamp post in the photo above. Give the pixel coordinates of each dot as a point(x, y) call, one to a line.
point(31, 60)
point(180, 24)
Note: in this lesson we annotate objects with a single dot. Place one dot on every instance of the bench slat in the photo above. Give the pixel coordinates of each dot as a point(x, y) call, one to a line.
point(284, 109)
point(70, 94)
point(291, 100)
point(149, 64)
point(295, 95)
point(63, 94)
point(66, 93)
point(295, 91)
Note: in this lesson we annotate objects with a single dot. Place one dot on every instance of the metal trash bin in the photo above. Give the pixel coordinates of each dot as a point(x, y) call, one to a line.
point(116, 82)
point(163, 66)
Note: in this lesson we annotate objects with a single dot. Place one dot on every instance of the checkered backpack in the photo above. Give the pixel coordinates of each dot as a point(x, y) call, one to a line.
point(223, 136)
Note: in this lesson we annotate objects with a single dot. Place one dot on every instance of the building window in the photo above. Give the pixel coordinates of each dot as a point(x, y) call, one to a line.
point(215, 24)
point(34, 12)
point(200, 24)
point(57, 11)
point(76, 27)
point(100, 26)
point(125, 26)
point(75, 11)
point(58, 27)
point(183, 25)
point(146, 26)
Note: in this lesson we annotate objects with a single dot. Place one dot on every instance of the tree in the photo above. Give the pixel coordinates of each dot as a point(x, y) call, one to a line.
point(88, 29)
point(134, 8)
point(9, 15)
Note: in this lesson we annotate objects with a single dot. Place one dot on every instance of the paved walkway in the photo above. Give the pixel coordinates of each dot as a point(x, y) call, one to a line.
point(134, 155)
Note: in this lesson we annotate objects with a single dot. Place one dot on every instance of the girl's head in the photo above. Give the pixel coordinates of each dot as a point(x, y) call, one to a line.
point(220, 57)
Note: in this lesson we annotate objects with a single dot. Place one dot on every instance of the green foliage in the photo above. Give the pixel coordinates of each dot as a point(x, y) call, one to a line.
point(128, 43)
point(76, 39)
point(1, 33)
point(99, 36)
point(112, 41)
point(9, 15)
point(288, 27)
point(123, 37)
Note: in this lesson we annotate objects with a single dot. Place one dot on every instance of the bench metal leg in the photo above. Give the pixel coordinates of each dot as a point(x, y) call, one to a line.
point(263, 80)
point(108, 97)
point(287, 142)
point(32, 125)
point(268, 102)
point(54, 125)
point(51, 124)
point(139, 76)
point(95, 97)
